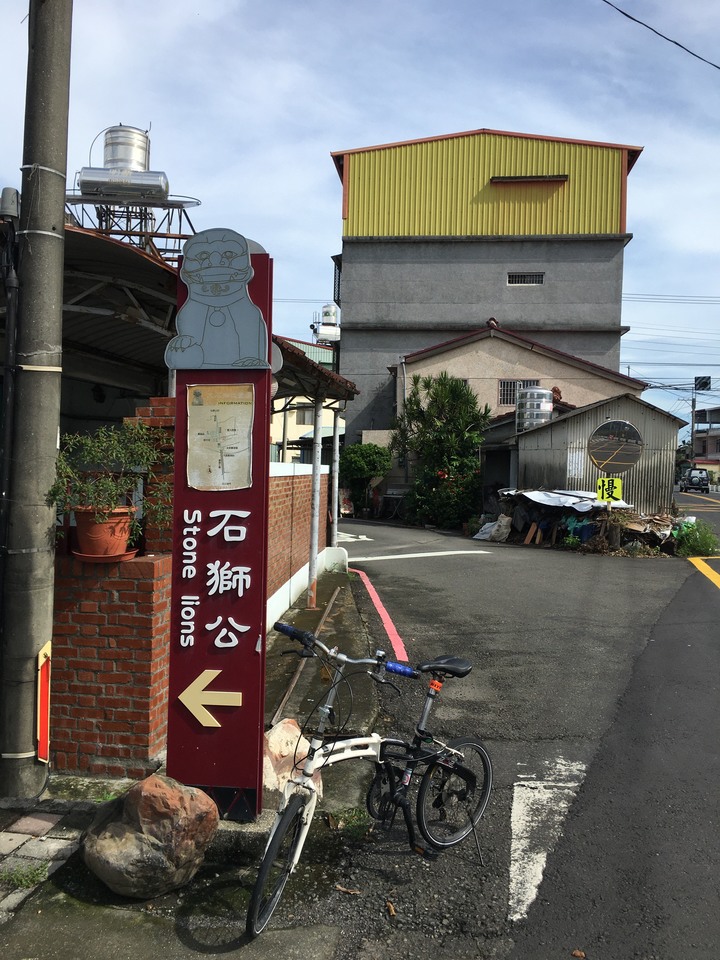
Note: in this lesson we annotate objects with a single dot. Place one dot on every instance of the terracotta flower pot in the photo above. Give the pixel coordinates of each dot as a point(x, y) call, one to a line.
point(105, 539)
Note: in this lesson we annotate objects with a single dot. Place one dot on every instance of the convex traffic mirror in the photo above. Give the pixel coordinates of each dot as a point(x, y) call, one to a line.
point(615, 446)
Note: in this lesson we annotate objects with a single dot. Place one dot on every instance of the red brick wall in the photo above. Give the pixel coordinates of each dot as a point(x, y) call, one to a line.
point(160, 412)
point(289, 527)
point(110, 665)
point(111, 637)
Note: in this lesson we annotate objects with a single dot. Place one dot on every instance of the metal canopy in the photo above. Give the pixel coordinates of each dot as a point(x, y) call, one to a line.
point(119, 306)
point(302, 377)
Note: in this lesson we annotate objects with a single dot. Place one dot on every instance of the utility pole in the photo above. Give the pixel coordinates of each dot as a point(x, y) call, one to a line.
point(26, 616)
point(692, 428)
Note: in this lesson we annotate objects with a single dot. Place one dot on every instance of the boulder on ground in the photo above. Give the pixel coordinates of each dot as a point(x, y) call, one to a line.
point(151, 840)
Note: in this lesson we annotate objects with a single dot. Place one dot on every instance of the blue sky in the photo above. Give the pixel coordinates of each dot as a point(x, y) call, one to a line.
point(246, 101)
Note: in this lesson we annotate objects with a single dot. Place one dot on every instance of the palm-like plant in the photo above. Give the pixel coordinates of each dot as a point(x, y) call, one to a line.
point(440, 431)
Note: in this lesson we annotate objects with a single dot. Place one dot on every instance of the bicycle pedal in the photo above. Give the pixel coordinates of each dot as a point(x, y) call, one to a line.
point(425, 852)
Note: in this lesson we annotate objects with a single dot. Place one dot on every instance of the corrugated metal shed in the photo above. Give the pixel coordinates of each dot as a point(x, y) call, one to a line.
point(554, 456)
point(485, 183)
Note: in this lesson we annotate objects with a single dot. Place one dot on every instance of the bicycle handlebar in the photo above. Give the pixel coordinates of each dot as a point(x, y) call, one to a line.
point(305, 637)
point(403, 669)
point(309, 640)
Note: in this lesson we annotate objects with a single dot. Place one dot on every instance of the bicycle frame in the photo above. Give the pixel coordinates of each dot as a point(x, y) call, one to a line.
point(439, 796)
point(370, 747)
point(323, 754)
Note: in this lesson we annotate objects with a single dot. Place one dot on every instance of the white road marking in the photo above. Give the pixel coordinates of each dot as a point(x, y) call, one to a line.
point(540, 804)
point(352, 537)
point(413, 556)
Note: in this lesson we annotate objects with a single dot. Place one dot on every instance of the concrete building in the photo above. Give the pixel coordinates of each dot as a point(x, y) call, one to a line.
point(293, 418)
point(494, 361)
point(441, 234)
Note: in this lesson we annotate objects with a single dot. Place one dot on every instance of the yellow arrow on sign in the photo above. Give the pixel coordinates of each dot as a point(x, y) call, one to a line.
point(196, 697)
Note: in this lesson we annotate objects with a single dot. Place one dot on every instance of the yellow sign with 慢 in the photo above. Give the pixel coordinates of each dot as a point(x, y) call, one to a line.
point(609, 488)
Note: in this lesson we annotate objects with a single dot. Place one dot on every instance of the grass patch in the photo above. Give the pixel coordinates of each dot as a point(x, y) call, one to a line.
point(22, 878)
point(354, 823)
point(106, 795)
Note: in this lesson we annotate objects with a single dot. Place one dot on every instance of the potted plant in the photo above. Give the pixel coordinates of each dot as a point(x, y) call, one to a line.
point(98, 479)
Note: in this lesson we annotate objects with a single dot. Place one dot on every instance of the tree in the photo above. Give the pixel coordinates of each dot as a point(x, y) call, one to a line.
point(440, 430)
point(359, 463)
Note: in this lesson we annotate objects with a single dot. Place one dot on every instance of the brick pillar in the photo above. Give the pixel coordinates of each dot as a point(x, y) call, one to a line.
point(160, 412)
point(110, 666)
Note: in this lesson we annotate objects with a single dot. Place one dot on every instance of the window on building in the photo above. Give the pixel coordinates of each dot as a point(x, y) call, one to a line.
point(525, 279)
point(507, 393)
point(305, 416)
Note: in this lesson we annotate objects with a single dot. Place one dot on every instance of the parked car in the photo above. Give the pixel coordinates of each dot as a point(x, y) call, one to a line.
point(696, 480)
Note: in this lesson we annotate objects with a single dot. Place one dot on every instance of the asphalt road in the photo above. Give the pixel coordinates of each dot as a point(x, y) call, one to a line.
point(595, 688)
point(704, 506)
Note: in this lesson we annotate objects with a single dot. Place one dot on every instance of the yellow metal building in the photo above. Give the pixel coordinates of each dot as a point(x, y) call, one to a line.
point(443, 234)
point(485, 183)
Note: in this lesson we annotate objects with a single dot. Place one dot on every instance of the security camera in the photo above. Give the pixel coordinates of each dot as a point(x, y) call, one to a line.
point(10, 204)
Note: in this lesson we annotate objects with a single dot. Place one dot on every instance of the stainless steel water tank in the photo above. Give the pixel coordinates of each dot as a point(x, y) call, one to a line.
point(126, 148)
point(534, 406)
point(123, 183)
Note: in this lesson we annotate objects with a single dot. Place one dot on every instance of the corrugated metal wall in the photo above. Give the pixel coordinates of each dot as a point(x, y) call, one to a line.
point(555, 457)
point(442, 188)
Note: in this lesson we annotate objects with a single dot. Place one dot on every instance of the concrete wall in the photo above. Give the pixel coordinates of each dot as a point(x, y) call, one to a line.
point(487, 361)
point(402, 295)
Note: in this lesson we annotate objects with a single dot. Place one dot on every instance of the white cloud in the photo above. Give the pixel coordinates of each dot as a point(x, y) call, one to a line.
point(246, 101)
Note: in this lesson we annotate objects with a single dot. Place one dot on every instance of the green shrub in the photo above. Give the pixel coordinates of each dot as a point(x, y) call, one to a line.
point(446, 499)
point(359, 463)
point(697, 540)
point(439, 432)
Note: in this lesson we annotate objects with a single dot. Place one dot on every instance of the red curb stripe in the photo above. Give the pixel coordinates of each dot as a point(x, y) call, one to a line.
point(394, 637)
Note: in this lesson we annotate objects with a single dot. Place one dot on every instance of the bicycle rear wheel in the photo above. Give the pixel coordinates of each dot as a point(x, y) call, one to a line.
point(275, 866)
point(454, 792)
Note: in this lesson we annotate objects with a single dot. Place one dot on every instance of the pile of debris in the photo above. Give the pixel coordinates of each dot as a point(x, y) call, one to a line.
point(577, 520)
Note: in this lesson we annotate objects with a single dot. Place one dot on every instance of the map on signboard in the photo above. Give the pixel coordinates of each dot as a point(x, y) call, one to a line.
point(220, 419)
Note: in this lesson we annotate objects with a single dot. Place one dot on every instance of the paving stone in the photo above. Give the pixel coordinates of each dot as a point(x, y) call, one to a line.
point(13, 900)
point(36, 824)
point(54, 866)
point(7, 817)
point(16, 862)
point(11, 841)
point(73, 824)
point(48, 848)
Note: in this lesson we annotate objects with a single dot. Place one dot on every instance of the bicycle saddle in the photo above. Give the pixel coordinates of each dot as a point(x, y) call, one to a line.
point(447, 666)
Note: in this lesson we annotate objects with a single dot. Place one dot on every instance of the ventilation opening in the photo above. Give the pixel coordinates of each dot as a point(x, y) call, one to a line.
point(525, 279)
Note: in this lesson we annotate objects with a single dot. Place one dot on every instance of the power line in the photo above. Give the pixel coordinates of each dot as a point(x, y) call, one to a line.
point(657, 32)
point(668, 298)
point(667, 363)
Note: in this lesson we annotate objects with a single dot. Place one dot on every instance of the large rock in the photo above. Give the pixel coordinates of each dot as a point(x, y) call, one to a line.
point(152, 839)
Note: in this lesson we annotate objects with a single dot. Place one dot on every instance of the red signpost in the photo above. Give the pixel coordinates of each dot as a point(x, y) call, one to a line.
point(219, 589)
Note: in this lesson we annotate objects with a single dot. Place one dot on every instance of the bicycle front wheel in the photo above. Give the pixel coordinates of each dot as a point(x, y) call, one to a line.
point(275, 866)
point(378, 793)
point(454, 792)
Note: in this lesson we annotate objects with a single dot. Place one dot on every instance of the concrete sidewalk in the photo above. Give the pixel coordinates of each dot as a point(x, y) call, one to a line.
point(53, 908)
